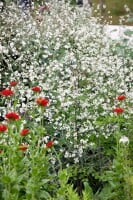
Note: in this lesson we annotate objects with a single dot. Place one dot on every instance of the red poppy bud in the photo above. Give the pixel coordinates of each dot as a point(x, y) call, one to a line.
point(49, 144)
point(24, 132)
point(36, 89)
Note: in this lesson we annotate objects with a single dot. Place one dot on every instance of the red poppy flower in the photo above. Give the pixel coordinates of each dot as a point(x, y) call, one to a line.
point(3, 128)
point(23, 147)
point(24, 132)
point(13, 83)
point(49, 144)
point(121, 97)
point(118, 110)
point(12, 116)
point(42, 101)
point(6, 92)
point(37, 89)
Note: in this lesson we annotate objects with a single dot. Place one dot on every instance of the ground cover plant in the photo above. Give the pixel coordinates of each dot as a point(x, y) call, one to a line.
point(66, 107)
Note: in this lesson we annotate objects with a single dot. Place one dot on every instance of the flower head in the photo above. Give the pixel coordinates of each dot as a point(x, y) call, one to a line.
point(121, 97)
point(118, 110)
point(3, 127)
point(124, 139)
point(42, 101)
point(13, 83)
point(36, 89)
point(23, 147)
point(12, 116)
point(49, 144)
point(24, 132)
point(6, 92)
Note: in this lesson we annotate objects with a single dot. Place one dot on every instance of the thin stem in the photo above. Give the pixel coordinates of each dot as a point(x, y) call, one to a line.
point(58, 158)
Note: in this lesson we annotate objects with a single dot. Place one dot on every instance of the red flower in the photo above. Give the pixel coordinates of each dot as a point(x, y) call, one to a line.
point(6, 92)
point(12, 116)
point(49, 144)
point(23, 147)
point(121, 97)
point(24, 132)
point(118, 110)
point(37, 89)
point(42, 101)
point(3, 128)
point(13, 83)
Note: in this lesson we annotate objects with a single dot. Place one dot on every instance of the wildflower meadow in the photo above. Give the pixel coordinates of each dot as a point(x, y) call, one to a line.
point(66, 106)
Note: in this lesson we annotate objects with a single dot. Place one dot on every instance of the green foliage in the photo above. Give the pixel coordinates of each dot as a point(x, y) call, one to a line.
point(66, 190)
point(87, 192)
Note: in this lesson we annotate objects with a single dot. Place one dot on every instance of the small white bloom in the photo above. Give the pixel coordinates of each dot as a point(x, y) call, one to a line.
point(76, 160)
point(124, 139)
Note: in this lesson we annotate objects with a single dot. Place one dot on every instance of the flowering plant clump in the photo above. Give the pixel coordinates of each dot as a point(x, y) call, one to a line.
point(24, 156)
point(65, 120)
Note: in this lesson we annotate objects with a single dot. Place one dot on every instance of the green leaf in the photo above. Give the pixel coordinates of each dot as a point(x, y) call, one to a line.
point(45, 195)
point(128, 32)
point(87, 193)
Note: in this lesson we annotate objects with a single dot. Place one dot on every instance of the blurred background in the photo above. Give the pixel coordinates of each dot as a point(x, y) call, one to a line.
point(118, 9)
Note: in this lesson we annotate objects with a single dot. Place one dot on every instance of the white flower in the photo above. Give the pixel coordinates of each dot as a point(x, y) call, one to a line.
point(124, 139)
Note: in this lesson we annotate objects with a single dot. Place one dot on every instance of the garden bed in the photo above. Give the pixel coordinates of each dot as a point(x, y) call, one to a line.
point(66, 107)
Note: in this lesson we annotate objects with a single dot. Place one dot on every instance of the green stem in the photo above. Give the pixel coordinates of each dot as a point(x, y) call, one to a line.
point(58, 158)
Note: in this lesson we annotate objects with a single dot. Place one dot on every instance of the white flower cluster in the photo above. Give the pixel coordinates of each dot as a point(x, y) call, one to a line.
point(79, 69)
